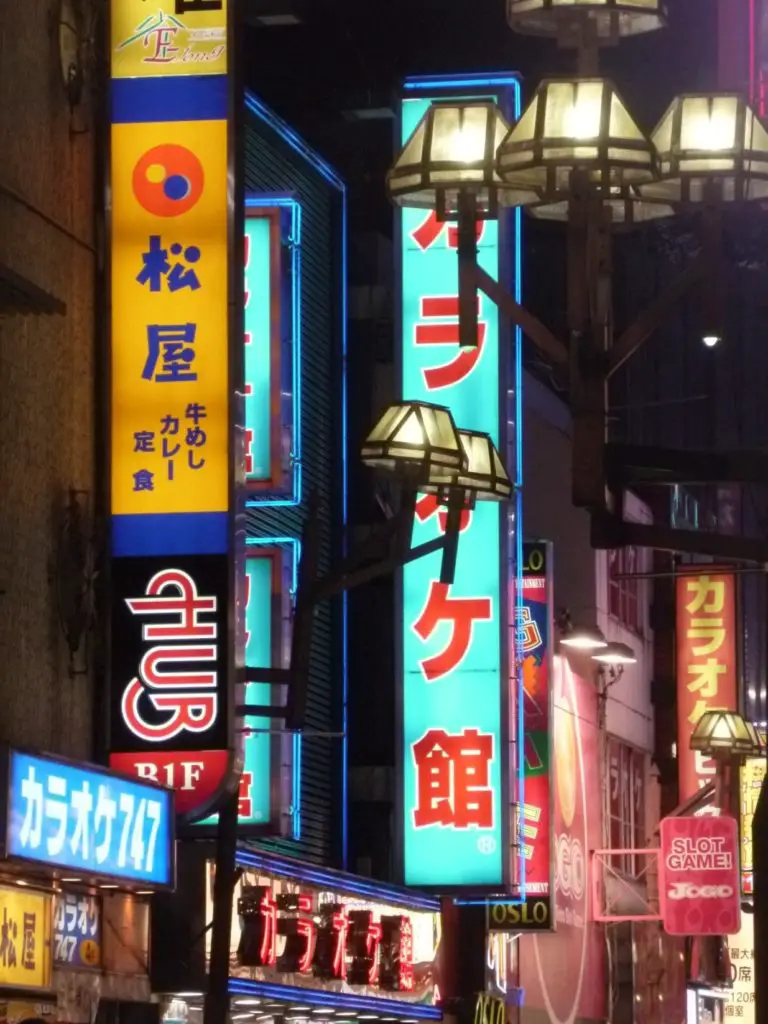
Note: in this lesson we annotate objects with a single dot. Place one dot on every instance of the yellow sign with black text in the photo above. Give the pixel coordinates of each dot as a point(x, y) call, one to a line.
point(175, 37)
point(750, 783)
point(532, 915)
point(170, 366)
point(25, 939)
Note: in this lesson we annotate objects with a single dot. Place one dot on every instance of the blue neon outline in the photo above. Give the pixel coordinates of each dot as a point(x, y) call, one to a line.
point(336, 881)
point(255, 106)
point(314, 997)
point(295, 545)
point(266, 201)
point(425, 83)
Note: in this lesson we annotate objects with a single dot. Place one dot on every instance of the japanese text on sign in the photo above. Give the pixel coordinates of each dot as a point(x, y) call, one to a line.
point(25, 943)
point(750, 782)
point(77, 930)
point(83, 818)
point(706, 665)
point(452, 722)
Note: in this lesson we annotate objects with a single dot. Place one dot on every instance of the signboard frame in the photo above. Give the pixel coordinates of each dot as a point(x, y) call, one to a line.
point(502, 88)
point(6, 755)
point(188, 88)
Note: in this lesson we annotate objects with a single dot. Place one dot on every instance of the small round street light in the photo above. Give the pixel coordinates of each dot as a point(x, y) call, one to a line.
point(590, 638)
point(615, 653)
point(710, 340)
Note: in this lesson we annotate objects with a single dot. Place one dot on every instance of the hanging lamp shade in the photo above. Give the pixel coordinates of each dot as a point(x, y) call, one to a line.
point(626, 205)
point(575, 124)
point(709, 139)
point(483, 472)
point(758, 750)
point(721, 733)
point(611, 18)
point(414, 437)
point(450, 151)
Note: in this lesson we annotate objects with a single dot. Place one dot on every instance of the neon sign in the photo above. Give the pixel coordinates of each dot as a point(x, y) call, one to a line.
point(454, 722)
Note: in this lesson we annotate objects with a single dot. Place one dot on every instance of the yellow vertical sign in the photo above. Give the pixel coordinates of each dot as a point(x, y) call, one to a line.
point(750, 783)
point(25, 946)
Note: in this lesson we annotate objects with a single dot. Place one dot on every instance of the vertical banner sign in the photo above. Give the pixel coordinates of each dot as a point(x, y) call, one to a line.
point(699, 876)
point(453, 706)
point(175, 356)
point(751, 778)
point(706, 665)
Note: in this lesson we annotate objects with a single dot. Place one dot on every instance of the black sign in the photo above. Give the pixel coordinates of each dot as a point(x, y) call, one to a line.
point(534, 558)
point(533, 915)
point(169, 653)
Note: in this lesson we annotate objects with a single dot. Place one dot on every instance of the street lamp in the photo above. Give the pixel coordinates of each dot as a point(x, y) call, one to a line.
point(577, 155)
point(727, 738)
point(615, 653)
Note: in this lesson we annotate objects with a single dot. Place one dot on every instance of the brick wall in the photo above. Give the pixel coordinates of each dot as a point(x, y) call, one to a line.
point(46, 376)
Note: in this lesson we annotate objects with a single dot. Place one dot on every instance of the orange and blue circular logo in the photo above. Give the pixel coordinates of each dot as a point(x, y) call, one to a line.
point(168, 180)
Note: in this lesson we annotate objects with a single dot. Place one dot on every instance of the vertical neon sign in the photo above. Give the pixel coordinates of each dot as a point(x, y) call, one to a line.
point(453, 727)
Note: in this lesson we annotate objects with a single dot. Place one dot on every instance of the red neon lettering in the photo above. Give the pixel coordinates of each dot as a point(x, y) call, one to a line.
point(406, 955)
point(444, 309)
point(430, 229)
point(268, 909)
point(244, 803)
point(341, 932)
point(308, 930)
point(462, 613)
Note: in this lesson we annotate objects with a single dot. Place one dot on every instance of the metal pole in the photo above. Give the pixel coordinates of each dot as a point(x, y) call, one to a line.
point(216, 1006)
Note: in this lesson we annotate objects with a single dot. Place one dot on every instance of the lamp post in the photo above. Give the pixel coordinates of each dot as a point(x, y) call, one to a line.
point(576, 155)
point(727, 738)
point(419, 445)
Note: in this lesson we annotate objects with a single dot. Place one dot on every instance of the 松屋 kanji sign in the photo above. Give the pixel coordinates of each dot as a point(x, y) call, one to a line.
point(699, 891)
point(453, 725)
point(706, 664)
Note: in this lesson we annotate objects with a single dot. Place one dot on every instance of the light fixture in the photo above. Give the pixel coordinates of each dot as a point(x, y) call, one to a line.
point(615, 653)
point(710, 340)
point(21, 882)
point(611, 18)
point(483, 474)
point(723, 734)
point(758, 749)
point(70, 880)
point(452, 152)
point(414, 438)
point(626, 205)
point(108, 887)
point(709, 139)
point(575, 125)
point(589, 638)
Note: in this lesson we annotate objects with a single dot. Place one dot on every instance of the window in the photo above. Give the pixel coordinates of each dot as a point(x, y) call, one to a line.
point(625, 594)
point(626, 804)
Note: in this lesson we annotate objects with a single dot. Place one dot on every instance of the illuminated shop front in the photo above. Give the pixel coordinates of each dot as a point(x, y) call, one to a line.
point(81, 851)
point(311, 944)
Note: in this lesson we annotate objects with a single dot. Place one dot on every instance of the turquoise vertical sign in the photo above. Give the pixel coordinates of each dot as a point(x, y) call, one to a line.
point(255, 781)
point(452, 697)
point(258, 355)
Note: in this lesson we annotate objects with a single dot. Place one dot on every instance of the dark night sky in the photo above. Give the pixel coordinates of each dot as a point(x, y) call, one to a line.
point(354, 52)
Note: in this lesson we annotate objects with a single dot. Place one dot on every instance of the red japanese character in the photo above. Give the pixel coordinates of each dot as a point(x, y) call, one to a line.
point(307, 928)
point(244, 803)
point(341, 931)
point(427, 506)
point(406, 955)
point(452, 779)
point(443, 310)
point(462, 612)
point(248, 451)
point(430, 229)
point(268, 950)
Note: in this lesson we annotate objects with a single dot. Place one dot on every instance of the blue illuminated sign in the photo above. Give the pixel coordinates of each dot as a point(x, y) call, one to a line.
point(259, 368)
point(454, 733)
point(77, 930)
point(89, 820)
